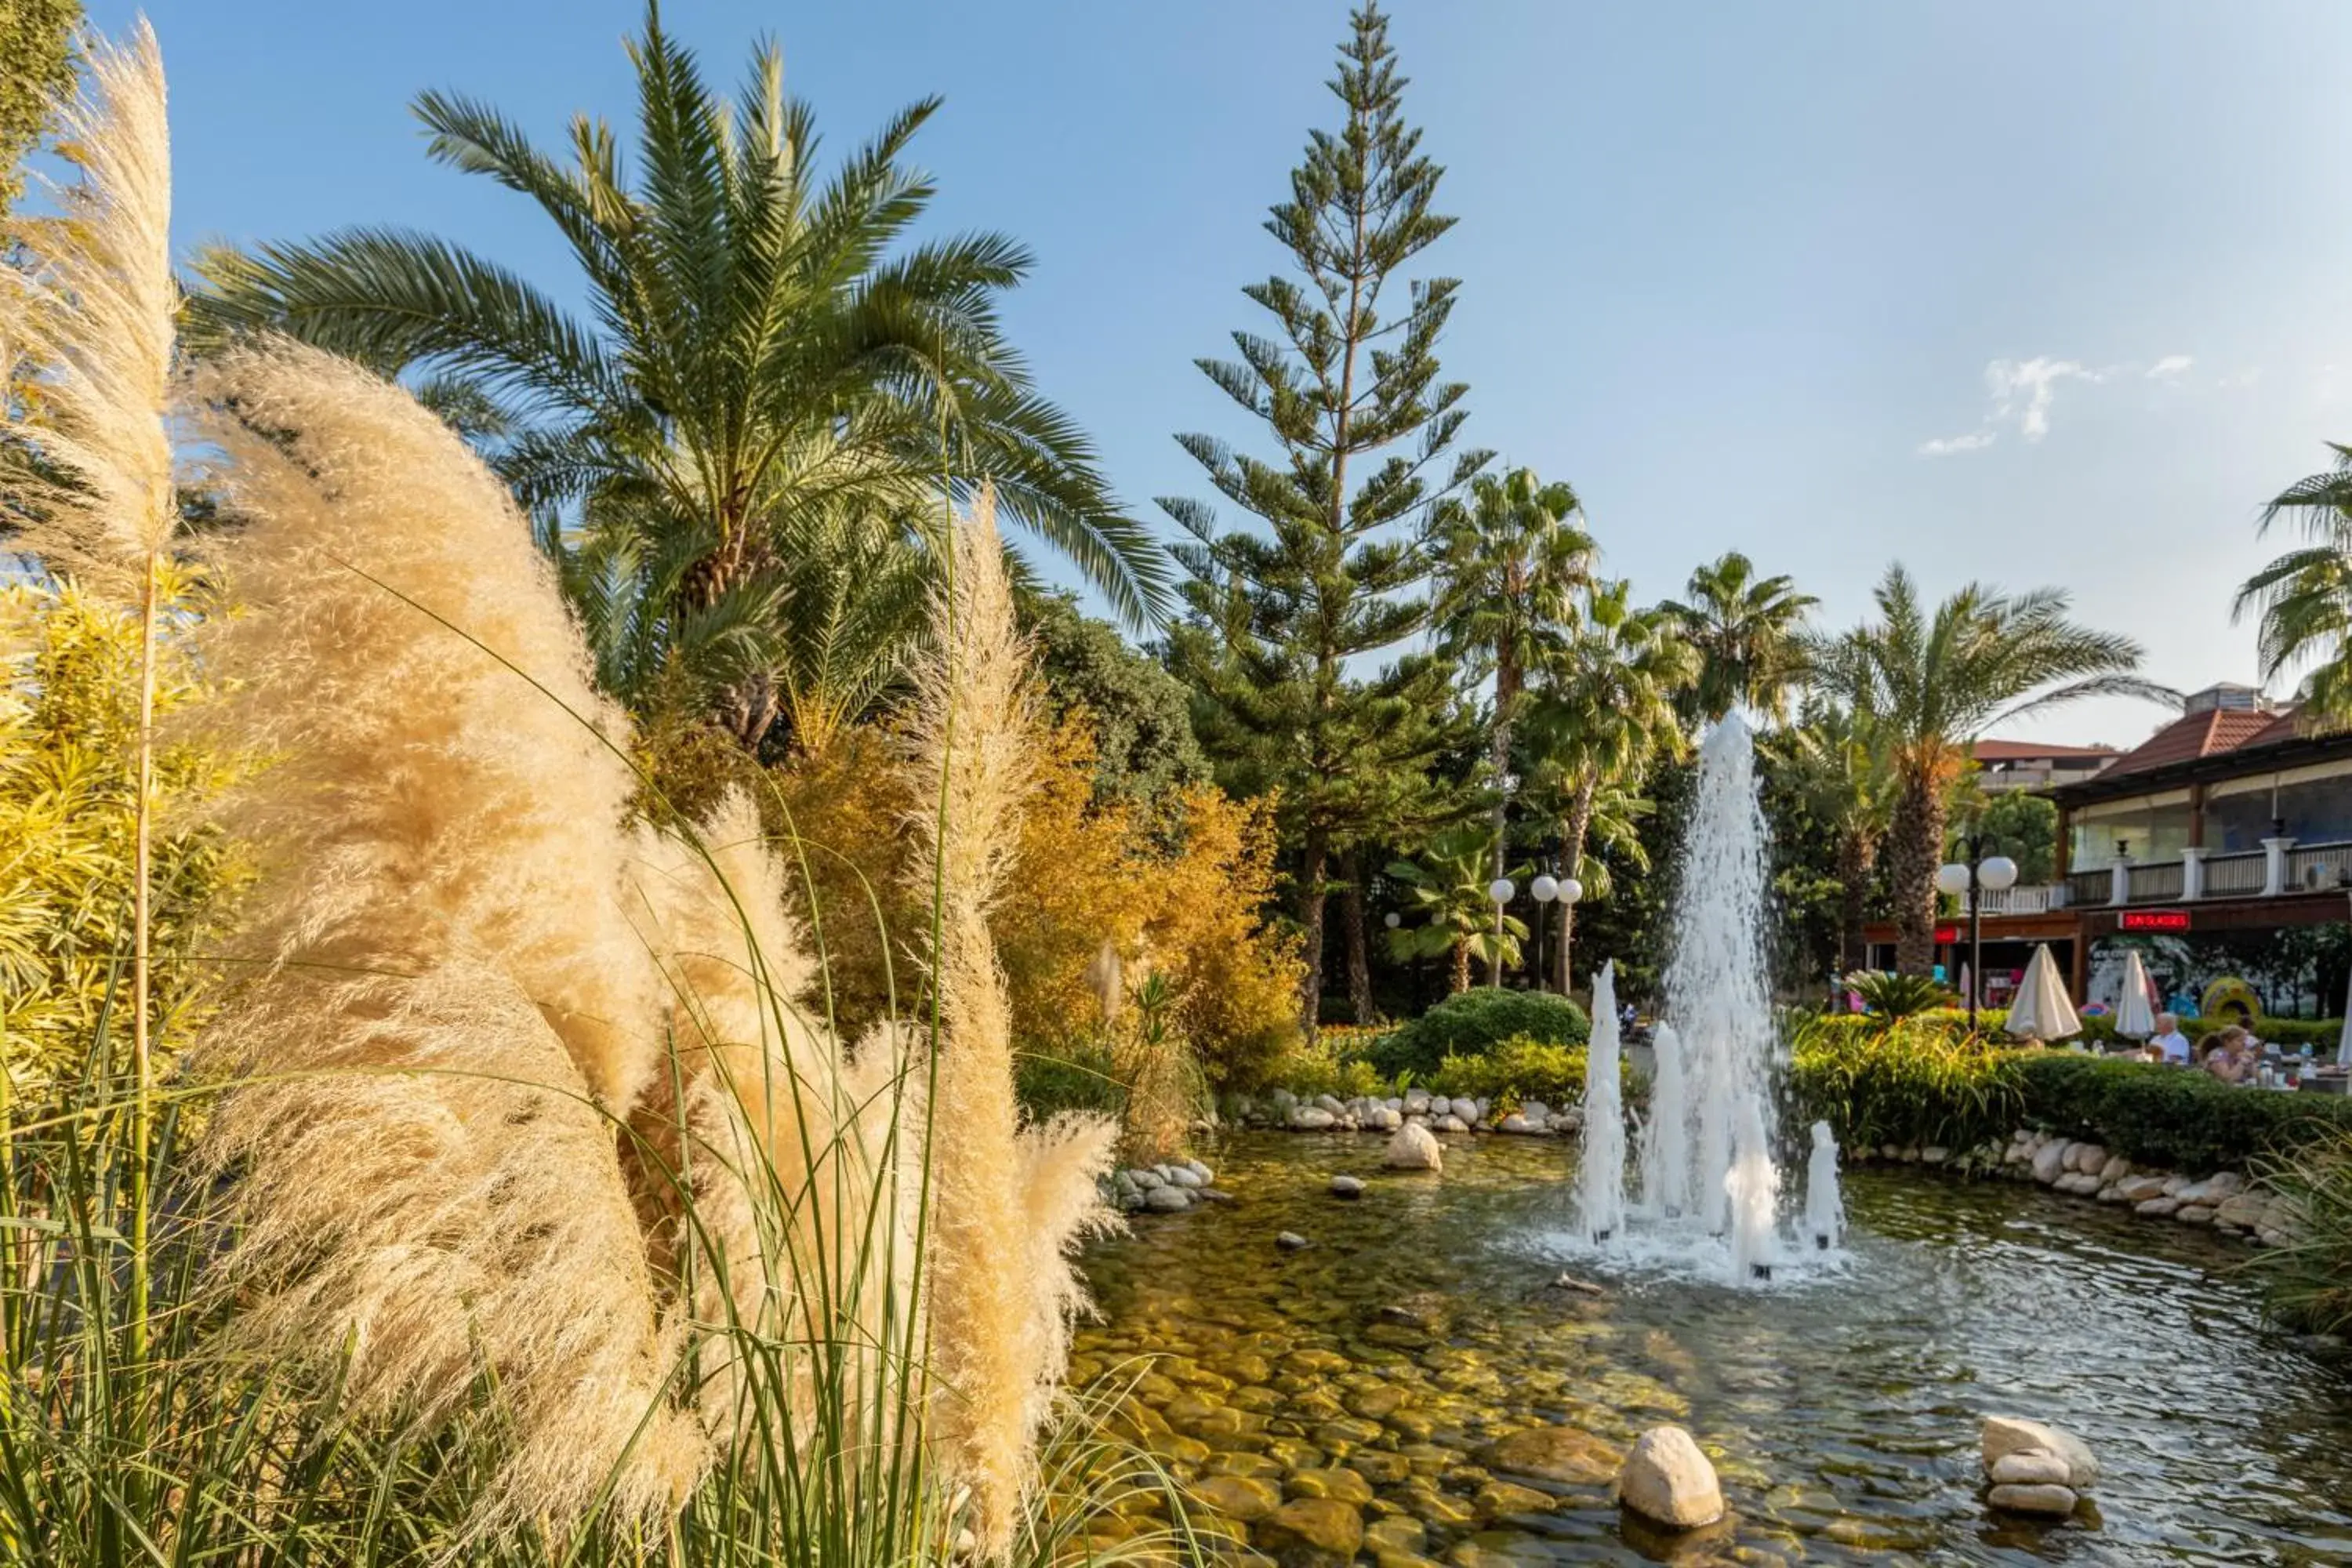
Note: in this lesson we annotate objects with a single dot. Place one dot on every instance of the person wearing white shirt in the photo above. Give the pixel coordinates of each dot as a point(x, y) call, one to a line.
point(2169, 1040)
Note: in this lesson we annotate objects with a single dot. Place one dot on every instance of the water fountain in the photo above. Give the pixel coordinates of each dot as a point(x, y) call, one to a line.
point(1824, 1209)
point(1666, 1136)
point(1601, 1164)
point(1708, 1176)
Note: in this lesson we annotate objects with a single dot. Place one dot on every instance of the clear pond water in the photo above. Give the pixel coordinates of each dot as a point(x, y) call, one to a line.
point(1378, 1367)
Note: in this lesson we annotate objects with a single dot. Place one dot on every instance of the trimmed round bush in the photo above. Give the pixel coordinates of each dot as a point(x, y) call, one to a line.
point(1473, 1023)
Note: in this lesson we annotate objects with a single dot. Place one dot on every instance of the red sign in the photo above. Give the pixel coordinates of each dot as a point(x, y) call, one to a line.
point(2153, 919)
point(1948, 934)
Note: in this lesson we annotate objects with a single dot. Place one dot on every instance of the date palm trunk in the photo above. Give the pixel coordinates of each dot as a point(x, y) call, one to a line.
point(1915, 849)
point(1572, 829)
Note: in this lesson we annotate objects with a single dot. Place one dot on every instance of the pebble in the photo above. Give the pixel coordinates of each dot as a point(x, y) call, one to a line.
point(1291, 1241)
point(2048, 1502)
point(1167, 1200)
point(1347, 1187)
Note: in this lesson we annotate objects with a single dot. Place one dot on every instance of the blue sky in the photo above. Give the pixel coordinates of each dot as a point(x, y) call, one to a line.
point(2042, 295)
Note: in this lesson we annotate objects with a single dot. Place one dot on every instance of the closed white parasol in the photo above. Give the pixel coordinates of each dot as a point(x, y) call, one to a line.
point(2040, 1010)
point(2135, 1018)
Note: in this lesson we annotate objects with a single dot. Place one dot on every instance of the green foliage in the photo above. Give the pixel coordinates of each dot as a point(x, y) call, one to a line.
point(1897, 997)
point(2302, 601)
point(1475, 1023)
point(1910, 1082)
point(2168, 1116)
point(37, 64)
point(69, 724)
point(2020, 825)
point(1750, 633)
point(1144, 745)
point(735, 451)
point(1293, 610)
point(2308, 1276)
point(1447, 889)
point(1515, 1072)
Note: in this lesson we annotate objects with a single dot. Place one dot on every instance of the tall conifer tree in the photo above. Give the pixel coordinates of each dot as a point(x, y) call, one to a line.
point(1291, 609)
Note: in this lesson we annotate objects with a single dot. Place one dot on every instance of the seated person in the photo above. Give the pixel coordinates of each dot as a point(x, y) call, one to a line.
point(2228, 1054)
point(2171, 1046)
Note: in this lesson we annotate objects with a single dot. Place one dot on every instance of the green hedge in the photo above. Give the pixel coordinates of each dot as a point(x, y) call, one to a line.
point(1472, 1023)
point(1918, 1082)
point(1514, 1072)
point(2167, 1116)
point(2098, 1029)
point(1913, 1082)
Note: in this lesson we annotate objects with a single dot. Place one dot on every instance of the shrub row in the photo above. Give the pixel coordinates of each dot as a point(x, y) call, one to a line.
point(1918, 1082)
point(2098, 1029)
point(1473, 1024)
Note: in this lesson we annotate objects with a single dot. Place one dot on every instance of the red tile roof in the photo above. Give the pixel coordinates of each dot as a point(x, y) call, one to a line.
point(2194, 735)
point(2031, 752)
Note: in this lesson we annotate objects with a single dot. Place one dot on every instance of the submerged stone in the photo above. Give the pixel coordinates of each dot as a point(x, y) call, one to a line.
point(1309, 1529)
point(1667, 1479)
point(1561, 1454)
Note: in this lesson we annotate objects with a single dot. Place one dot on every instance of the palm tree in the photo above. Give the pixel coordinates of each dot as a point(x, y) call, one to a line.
point(1448, 886)
point(1509, 566)
point(2303, 600)
point(1931, 683)
point(1749, 631)
point(1604, 711)
point(758, 343)
point(1847, 779)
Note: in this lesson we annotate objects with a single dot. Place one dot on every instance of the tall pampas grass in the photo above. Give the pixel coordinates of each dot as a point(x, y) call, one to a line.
point(459, 1004)
point(1008, 1202)
point(89, 321)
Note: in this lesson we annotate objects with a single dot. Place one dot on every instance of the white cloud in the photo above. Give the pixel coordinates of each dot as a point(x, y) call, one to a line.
point(2019, 394)
point(2036, 382)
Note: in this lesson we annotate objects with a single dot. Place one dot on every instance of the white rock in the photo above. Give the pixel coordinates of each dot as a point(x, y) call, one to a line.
point(1331, 1102)
point(1535, 1110)
point(2006, 1434)
point(1347, 1187)
point(1416, 1101)
point(1168, 1200)
point(1145, 1179)
point(2194, 1214)
point(1208, 1177)
point(1441, 1106)
point(1384, 1120)
point(2088, 1157)
point(2116, 1169)
point(2030, 1468)
point(1449, 1123)
point(1665, 1478)
point(2225, 1183)
point(2158, 1207)
point(1184, 1176)
point(2047, 1503)
point(1414, 1148)
point(2049, 1162)
point(1515, 1122)
point(1935, 1154)
point(1311, 1118)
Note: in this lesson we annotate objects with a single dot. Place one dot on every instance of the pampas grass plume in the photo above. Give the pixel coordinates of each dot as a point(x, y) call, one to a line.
point(1008, 1202)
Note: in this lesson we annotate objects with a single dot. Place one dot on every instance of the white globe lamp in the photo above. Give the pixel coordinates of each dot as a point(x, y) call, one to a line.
point(1998, 873)
point(1500, 889)
point(1571, 890)
point(1545, 887)
point(1952, 879)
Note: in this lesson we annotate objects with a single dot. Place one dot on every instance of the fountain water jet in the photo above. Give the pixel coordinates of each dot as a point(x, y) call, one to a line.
point(1666, 1136)
point(1824, 1209)
point(1601, 1163)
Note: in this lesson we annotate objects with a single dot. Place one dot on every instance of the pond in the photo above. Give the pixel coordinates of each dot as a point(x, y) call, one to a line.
point(1379, 1366)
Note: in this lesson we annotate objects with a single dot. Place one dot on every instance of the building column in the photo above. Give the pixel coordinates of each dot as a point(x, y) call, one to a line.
point(2192, 873)
point(2274, 866)
point(2065, 844)
point(2119, 881)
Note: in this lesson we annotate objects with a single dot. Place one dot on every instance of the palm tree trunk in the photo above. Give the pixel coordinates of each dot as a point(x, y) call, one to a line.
point(1857, 855)
point(1499, 756)
point(1461, 964)
point(1915, 849)
point(1352, 931)
point(1572, 830)
point(1314, 857)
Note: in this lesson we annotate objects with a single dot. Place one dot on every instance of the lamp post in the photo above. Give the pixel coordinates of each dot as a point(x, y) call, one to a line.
point(1566, 890)
point(1498, 892)
point(1978, 873)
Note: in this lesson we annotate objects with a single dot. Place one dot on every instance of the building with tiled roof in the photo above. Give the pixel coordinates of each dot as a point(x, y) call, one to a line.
point(2227, 825)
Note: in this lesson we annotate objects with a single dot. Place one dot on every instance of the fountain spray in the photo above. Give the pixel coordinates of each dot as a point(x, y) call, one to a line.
point(1601, 1163)
point(1824, 1208)
point(1666, 1136)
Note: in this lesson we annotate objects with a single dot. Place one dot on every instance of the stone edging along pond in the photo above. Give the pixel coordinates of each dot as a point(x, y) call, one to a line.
point(2226, 1202)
